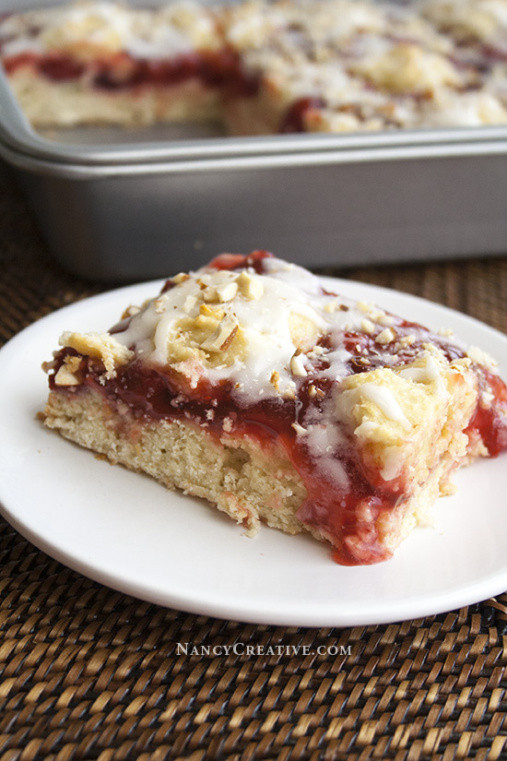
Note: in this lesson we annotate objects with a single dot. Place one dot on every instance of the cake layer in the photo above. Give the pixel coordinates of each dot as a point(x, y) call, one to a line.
point(251, 479)
point(238, 475)
point(47, 103)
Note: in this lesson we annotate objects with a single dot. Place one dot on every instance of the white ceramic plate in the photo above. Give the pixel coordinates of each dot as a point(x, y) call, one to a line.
point(128, 532)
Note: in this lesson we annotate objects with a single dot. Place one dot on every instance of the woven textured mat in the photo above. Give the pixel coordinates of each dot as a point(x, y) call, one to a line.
point(88, 673)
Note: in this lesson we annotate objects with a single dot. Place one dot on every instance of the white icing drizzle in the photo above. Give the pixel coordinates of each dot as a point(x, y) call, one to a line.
point(392, 463)
point(20, 45)
point(287, 290)
point(161, 42)
point(324, 439)
point(386, 402)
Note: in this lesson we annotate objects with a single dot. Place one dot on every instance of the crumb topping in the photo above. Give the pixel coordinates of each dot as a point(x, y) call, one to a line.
point(91, 28)
point(102, 346)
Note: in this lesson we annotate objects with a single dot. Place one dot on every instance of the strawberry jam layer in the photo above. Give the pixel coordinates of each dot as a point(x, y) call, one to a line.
point(214, 69)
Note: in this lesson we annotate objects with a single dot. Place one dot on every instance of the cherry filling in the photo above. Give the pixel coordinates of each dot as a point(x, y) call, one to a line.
point(294, 119)
point(490, 426)
point(55, 66)
point(215, 69)
point(493, 54)
point(255, 261)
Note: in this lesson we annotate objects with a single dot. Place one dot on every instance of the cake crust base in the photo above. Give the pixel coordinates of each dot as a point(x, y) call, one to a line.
point(250, 482)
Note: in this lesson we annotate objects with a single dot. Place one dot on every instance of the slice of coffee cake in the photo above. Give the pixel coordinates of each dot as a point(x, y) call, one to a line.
point(249, 384)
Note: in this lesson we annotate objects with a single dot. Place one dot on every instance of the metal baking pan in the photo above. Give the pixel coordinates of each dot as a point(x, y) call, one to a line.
point(125, 204)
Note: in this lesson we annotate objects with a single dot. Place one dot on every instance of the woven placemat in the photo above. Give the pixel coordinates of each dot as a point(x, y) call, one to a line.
point(88, 673)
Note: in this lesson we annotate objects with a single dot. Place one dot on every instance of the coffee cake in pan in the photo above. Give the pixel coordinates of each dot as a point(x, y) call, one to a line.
point(262, 67)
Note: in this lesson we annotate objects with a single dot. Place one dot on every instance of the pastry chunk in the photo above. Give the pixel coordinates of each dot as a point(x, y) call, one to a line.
point(339, 66)
point(249, 384)
point(98, 62)
point(262, 67)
